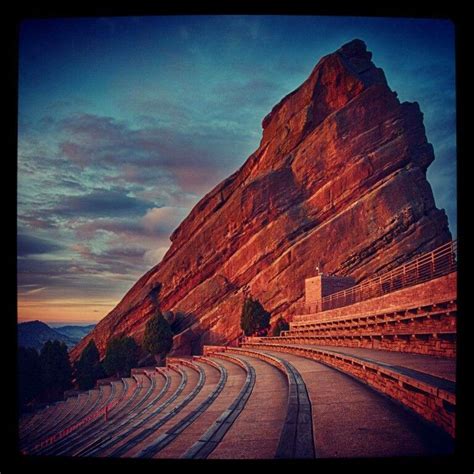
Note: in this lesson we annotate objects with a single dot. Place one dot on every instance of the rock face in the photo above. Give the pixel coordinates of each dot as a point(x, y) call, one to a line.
point(339, 181)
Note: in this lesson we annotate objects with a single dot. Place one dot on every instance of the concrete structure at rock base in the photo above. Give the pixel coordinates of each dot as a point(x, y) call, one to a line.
point(339, 180)
point(296, 396)
point(322, 285)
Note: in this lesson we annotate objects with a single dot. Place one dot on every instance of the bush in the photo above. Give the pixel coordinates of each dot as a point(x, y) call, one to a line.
point(280, 325)
point(254, 317)
point(121, 355)
point(88, 367)
point(158, 338)
point(29, 376)
point(56, 371)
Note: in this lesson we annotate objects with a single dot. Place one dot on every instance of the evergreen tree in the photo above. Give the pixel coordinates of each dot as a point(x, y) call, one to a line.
point(158, 338)
point(56, 372)
point(280, 325)
point(121, 355)
point(254, 317)
point(88, 367)
point(29, 375)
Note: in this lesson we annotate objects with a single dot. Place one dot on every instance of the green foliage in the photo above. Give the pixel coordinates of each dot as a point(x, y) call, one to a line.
point(88, 367)
point(280, 325)
point(254, 318)
point(121, 355)
point(29, 375)
point(56, 372)
point(158, 338)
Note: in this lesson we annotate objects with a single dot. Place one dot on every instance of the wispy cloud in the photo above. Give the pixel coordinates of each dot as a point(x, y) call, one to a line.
point(31, 245)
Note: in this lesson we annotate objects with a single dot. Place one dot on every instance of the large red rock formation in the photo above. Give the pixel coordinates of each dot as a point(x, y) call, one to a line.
point(339, 180)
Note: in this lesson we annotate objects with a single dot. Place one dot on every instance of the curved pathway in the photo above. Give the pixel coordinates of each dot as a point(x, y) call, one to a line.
point(351, 420)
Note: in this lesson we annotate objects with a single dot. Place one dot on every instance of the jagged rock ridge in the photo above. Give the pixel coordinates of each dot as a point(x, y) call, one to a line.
point(339, 180)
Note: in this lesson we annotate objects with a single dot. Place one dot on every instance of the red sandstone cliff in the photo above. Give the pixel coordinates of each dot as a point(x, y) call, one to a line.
point(339, 179)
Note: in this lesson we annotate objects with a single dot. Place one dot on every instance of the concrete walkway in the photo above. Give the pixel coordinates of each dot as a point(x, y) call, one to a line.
point(438, 367)
point(351, 420)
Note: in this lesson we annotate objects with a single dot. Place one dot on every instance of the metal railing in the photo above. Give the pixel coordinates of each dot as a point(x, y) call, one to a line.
point(439, 262)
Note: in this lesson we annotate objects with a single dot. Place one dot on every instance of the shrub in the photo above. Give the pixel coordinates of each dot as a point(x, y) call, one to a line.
point(254, 317)
point(121, 355)
point(280, 325)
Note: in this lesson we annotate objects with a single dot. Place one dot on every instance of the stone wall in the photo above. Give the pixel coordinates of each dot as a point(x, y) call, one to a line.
point(439, 289)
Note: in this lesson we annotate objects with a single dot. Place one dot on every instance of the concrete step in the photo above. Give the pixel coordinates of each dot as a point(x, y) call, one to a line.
point(139, 388)
point(164, 385)
point(107, 395)
point(190, 382)
point(202, 437)
point(428, 329)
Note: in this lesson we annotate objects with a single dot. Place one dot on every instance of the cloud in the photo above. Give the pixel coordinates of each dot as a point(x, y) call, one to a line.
point(153, 256)
point(30, 245)
point(192, 158)
point(101, 203)
point(163, 219)
point(28, 290)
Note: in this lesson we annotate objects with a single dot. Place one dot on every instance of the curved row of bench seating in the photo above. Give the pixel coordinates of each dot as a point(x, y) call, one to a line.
point(172, 432)
point(428, 329)
point(107, 437)
point(134, 423)
point(109, 394)
point(94, 400)
point(125, 403)
point(208, 441)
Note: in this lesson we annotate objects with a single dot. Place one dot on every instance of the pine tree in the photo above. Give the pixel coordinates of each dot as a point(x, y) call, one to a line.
point(158, 338)
point(254, 317)
point(56, 371)
point(29, 375)
point(121, 355)
point(88, 367)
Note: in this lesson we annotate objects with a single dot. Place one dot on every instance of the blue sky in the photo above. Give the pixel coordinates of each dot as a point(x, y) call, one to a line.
point(125, 123)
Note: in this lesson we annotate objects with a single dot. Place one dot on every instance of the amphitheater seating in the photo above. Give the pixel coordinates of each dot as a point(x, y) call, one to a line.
point(429, 329)
point(381, 383)
point(262, 400)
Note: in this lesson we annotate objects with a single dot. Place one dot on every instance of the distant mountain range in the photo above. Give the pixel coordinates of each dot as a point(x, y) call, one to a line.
point(36, 333)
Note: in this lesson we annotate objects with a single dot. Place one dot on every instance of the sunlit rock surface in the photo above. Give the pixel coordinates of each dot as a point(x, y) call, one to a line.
point(339, 181)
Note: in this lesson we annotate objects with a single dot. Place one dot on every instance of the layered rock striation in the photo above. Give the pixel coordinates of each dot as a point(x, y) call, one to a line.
point(339, 181)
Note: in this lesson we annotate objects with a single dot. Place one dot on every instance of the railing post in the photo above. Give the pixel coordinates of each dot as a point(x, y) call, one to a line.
point(433, 270)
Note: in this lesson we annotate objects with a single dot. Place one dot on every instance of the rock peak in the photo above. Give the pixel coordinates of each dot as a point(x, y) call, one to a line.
point(335, 80)
point(359, 60)
point(356, 47)
point(339, 178)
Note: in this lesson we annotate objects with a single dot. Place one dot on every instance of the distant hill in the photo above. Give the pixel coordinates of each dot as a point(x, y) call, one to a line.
point(76, 333)
point(36, 333)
